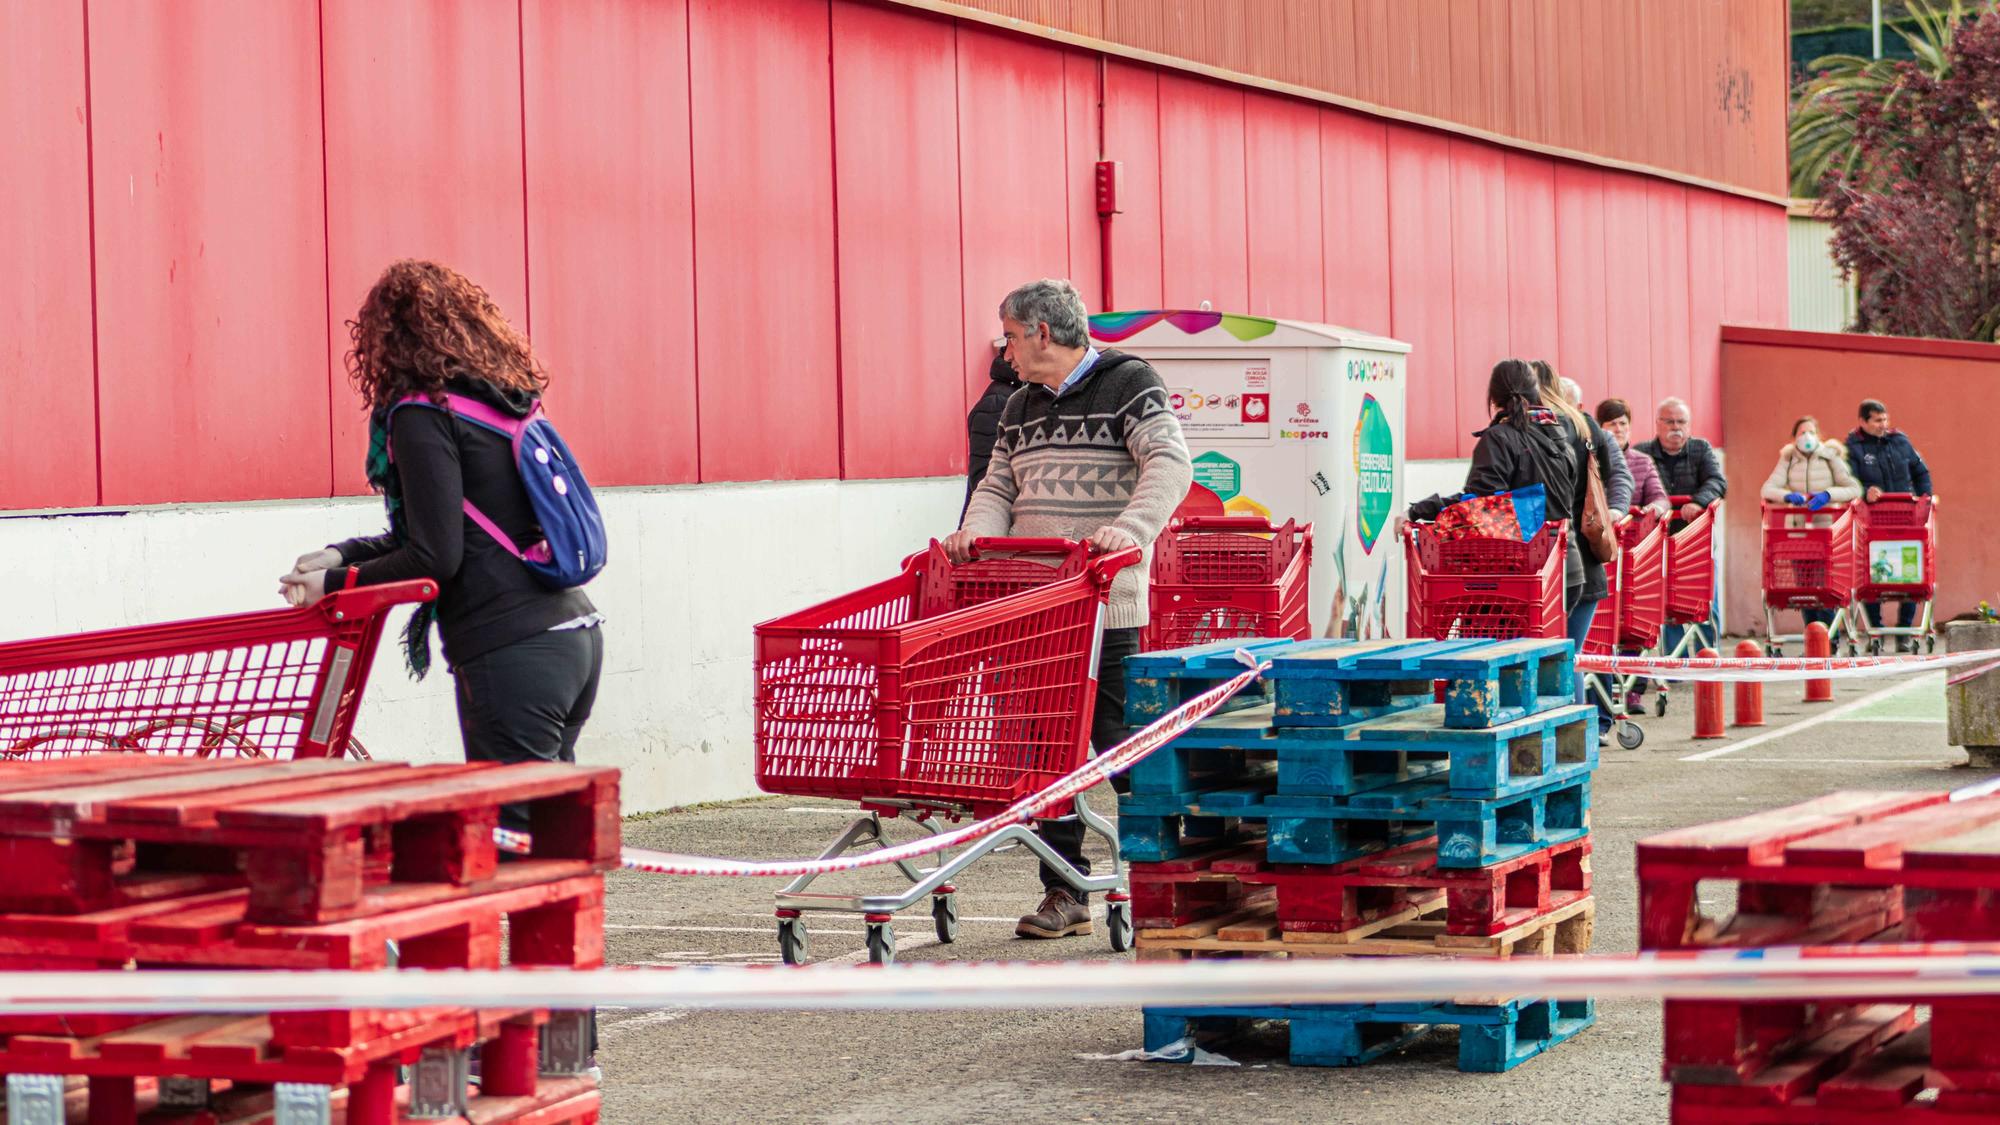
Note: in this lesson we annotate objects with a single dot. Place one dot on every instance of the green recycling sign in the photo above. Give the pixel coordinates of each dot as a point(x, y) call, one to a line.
point(1218, 474)
point(1374, 471)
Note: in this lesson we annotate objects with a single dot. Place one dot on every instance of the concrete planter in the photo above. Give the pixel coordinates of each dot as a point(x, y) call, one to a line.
point(1973, 707)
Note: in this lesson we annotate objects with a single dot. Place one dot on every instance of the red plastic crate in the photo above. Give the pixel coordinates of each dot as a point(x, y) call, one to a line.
point(1892, 517)
point(1691, 566)
point(1481, 587)
point(1808, 565)
point(1220, 578)
point(283, 683)
point(921, 687)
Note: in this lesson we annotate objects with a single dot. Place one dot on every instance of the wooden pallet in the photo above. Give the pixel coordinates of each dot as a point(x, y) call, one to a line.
point(1492, 1037)
point(1486, 683)
point(1415, 927)
point(313, 840)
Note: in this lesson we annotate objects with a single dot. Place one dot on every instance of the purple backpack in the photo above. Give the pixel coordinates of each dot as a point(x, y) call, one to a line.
point(573, 548)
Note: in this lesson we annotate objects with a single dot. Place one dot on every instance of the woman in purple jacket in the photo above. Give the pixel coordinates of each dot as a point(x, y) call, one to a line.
point(1647, 495)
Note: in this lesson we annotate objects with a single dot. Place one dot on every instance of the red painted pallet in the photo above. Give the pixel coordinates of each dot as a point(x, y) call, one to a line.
point(562, 1101)
point(315, 841)
point(1878, 1071)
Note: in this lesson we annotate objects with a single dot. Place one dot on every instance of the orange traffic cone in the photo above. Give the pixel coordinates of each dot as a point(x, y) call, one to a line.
point(1749, 696)
point(1818, 643)
point(1708, 705)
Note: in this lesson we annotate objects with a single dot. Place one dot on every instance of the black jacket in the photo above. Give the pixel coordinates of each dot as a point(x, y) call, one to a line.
point(1889, 462)
point(1695, 471)
point(982, 425)
point(1547, 452)
point(486, 598)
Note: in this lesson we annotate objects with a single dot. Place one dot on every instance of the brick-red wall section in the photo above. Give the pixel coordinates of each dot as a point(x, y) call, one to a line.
point(760, 239)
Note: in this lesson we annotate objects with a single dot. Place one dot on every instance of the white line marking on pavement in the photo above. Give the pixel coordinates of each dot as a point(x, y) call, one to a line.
point(1890, 719)
point(1803, 724)
point(1911, 762)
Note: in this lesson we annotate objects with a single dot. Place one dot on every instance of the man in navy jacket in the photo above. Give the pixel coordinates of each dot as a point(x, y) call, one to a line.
point(1883, 460)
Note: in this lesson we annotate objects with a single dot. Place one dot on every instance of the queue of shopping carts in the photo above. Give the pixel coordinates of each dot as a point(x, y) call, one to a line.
point(1838, 560)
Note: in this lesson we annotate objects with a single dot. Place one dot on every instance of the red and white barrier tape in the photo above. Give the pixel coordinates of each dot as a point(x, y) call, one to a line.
point(1022, 811)
point(1907, 972)
point(1763, 669)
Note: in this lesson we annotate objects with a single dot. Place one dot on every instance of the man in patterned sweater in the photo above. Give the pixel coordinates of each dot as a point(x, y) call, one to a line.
point(1088, 449)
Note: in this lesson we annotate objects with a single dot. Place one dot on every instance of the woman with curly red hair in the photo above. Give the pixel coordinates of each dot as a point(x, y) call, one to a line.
point(526, 658)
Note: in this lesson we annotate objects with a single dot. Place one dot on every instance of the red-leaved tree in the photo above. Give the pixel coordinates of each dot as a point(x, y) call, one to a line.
point(1916, 221)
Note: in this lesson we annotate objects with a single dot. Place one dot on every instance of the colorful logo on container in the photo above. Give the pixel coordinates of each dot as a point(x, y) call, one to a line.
point(1115, 326)
point(1374, 471)
point(1370, 370)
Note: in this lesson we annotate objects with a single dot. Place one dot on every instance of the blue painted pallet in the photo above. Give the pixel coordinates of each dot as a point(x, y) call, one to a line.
point(1491, 1037)
point(1496, 761)
point(1243, 746)
point(1471, 832)
point(1158, 682)
point(1487, 683)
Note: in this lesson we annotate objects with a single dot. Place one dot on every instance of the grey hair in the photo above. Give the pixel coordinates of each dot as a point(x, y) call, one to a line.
point(1054, 302)
point(1571, 391)
point(1680, 402)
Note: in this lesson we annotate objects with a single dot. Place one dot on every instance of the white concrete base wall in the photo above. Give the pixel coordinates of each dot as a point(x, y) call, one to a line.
point(692, 570)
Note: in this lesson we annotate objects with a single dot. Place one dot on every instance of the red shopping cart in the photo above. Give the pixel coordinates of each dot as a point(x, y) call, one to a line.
point(1631, 614)
point(1690, 600)
point(1221, 577)
point(275, 684)
point(1476, 586)
point(1809, 563)
point(1895, 539)
point(946, 691)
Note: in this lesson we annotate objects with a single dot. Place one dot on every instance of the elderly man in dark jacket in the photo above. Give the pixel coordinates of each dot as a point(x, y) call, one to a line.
point(1883, 460)
point(982, 425)
point(1688, 465)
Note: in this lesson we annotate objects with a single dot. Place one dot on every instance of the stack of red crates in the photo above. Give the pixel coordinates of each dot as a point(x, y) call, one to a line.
point(1218, 578)
point(130, 862)
point(1850, 867)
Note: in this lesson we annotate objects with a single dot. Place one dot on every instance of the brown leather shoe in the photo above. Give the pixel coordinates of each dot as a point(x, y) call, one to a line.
point(1059, 915)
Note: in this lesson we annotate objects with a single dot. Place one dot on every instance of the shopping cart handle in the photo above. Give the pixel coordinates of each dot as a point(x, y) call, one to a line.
point(365, 601)
point(1104, 568)
point(1225, 523)
point(1013, 546)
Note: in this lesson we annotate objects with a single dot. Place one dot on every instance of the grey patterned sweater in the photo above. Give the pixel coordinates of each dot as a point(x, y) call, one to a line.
point(1109, 452)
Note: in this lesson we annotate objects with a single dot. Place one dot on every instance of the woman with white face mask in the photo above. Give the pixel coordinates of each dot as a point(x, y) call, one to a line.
point(1811, 474)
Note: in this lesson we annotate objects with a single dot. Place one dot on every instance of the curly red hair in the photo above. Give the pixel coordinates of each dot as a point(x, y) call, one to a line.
point(424, 323)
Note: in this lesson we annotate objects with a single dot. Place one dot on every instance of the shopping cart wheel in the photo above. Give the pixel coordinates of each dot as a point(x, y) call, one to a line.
point(881, 943)
point(1874, 646)
point(1774, 651)
point(1850, 648)
point(944, 911)
point(1660, 705)
point(1631, 735)
point(1930, 645)
point(794, 944)
point(1118, 919)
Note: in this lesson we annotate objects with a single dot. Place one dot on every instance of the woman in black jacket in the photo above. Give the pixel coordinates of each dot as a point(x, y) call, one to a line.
point(1616, 479)
point(1526, 443)
point(982, 425)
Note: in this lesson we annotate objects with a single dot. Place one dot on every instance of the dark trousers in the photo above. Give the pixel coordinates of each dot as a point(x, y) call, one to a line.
point(1906, 614)
point(528, 701)
point(1107, 729)
point(1581, 615)
point(1823, 616)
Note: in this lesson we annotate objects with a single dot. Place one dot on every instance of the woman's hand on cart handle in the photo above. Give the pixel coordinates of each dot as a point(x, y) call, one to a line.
point(303, 589)
point(958, 547)
point(1105, 567)
point(1108, 540)
point(326, 558)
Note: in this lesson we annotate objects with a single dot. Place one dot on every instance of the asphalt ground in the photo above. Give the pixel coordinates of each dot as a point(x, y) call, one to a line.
point(1047, 1065)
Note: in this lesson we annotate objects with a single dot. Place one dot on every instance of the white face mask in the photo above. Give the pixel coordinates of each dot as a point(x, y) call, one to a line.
point(1808, 442)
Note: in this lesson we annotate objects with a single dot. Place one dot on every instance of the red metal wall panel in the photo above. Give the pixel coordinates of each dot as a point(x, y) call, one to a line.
point(1283, 167)
point(1479, 277)
point(902, 324)
point(1420, 284)
point(1480, 91)
point(765, 324)
point(423, 160)
point(1012, 180)
point(1628, 317)
point(1580, 291)
point(1354, 190)
point(1667, 278)
point(1202, 206)
point(1372, 49)
point(1532, 330)
point(48, 433)
point(1419, 53)
point(606, 114)
point(1132, 137)
point(1705, 257)
point(1773, 264)
point(1080, 139)
point(211, 268)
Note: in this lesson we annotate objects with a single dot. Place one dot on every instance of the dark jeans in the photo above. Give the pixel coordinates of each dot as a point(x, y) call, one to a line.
point(1578, 628)
point(1823, 616)
point(1107, 729)
point(528, 701)
point(1906, 614)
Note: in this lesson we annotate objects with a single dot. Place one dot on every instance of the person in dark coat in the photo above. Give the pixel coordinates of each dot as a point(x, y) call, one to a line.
point(982, 425)
point(1616, 479)
point(1688, 465)
point(1883, 460)
point(1527, 443)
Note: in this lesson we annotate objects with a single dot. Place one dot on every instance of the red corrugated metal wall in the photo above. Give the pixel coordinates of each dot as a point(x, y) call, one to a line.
point(766, 240)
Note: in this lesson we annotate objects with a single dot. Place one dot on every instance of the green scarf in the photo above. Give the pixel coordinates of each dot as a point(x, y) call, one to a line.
point(383, 478)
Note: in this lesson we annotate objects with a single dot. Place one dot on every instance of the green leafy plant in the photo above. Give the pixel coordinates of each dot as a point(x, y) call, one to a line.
point(1826, 107)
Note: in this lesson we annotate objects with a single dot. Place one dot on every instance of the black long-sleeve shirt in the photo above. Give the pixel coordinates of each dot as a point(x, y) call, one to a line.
point(487, 598)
